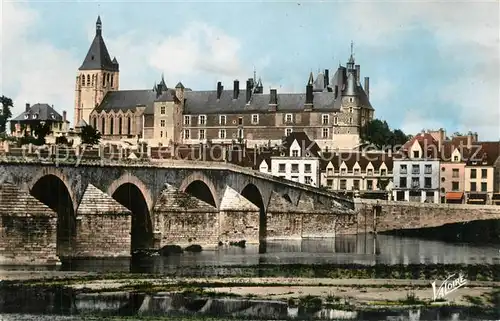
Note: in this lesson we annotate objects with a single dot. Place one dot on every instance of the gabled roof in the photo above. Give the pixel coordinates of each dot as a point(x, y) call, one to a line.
point(427, 143)
point(173, 200)
point(304, 142)
point(350, 159)
point(15, 202)
point(486, 154)
point(97, 57)
point(96, 202)
point(44, 111)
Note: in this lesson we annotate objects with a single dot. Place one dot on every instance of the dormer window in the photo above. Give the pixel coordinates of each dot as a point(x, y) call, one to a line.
point(35, 116)
point(415, 154)
point(52, 116)
point(26, 116)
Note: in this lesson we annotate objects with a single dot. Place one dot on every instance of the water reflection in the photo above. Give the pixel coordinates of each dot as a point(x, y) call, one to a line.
point(361, 249)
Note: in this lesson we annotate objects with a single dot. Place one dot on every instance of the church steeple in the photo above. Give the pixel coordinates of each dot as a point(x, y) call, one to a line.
point(350, 62)
point(98, 26)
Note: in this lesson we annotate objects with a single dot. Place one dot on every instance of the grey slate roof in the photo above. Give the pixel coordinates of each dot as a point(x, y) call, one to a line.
point(98, 55)
point(44, 111)
point(96, 202)
point(173, 200)
point(130, 99)
point(15, 202)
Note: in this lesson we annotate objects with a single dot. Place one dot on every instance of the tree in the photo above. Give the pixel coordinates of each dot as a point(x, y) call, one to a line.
point(89, 135)
point(41, 131)
point(5, 112)
point(62, 140)
point(378, 133)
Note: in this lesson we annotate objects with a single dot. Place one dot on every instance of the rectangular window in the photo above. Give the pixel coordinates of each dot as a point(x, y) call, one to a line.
point(240, 133)
point(329, 172)
point(416, 154)
point(161, 133)
point(402, 182)
point(356, 184)
point(415, 182)
point(162, 123)
point(295, 153)
point(222, 133)
point(187, 119)
point(343, 171)
point(455, 186)
point(403, 169)
point(326, 119)
point(187, 134)
point(369, 184)
point(455, 158)
point(473, 173)
point(288, 131)
point(415, 169)
point(201, 134)
point(383, 172)
point(473, 186)
point(428, 169)
point(162, 110)
point(255, 119)
point(454, 172)
point(325, 133)
point(329, 182)
point(202, 119)
point(356, 171)
point(307, 168)
point(288, 118)
point(335, 120)
point(343, 184)
point(484, 187)
point(281, 168)
point(240, 120)
point(308, 180)
point(369, 172)
point(295, 168)
point(484, 173)
point(222, 119)
point(295, 178)
point(427, 182)
point(350, 120)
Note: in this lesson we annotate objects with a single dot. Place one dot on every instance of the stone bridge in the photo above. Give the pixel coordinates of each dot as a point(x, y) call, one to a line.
point(112, 208)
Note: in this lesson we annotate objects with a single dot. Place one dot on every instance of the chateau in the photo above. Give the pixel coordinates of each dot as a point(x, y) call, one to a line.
point(331, 111)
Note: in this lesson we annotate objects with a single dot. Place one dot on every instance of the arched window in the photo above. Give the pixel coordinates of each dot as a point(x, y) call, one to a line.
point(129, 124)
point(88, 80)
point(93, 80)
point(104, 79)
point(119, 122)
point(108, 80)
point(103, 125)
point(94, 122)
point(111, 125)
point(111, 80)
point(83, 79)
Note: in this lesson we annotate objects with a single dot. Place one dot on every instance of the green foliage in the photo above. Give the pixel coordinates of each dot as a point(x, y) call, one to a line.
point(90, 136)
point(41, 131)
point(5, 112)
point(379, 134)
point(62, 140)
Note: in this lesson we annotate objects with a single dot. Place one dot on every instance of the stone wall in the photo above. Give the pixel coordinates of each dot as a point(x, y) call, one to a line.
point(235, 226)
point(185, 228)
point(284, 225)
point(102, 236)
point(26, 240)
point(393, 215)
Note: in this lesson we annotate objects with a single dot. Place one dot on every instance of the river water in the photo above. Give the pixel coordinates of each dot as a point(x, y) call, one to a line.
point(348, 250)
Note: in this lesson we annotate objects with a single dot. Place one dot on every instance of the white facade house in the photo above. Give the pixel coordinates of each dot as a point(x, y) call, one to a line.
point(416, 171)
point(298, 160)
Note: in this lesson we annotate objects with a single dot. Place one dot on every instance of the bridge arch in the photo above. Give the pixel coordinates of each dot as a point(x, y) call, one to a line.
point(57, 172)
point(132, 193)
point(53, 191)
point(253, 194)
point(201, 187)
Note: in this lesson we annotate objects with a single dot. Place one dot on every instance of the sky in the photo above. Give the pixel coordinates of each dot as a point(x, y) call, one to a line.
point(432, 64)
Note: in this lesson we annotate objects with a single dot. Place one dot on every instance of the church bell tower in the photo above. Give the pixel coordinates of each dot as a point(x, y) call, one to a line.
point(97, 75)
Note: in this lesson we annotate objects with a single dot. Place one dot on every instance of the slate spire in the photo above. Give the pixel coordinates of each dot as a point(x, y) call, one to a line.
point(98, 57)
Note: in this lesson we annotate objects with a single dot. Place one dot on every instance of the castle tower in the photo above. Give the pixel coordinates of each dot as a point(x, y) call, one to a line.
point(97, 75)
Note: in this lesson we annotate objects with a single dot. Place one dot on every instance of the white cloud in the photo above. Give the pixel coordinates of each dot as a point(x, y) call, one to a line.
point(466, 34)
point(200, 51)
point(33, 71)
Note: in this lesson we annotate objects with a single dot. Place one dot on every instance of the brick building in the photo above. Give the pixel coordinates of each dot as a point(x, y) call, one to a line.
point(330, 111)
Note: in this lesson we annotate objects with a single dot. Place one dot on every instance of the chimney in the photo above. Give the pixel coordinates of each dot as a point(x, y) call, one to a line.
point(441, 138)
point(470, 139)
point(327, 78)
point(27, 107)
point(367, 87)
point(309, 94)
point(236, 89)
point(273, 100)
point(64, 116)
point(358, 74)
point(219, 89)
point(476, 139)
point(248, 91)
